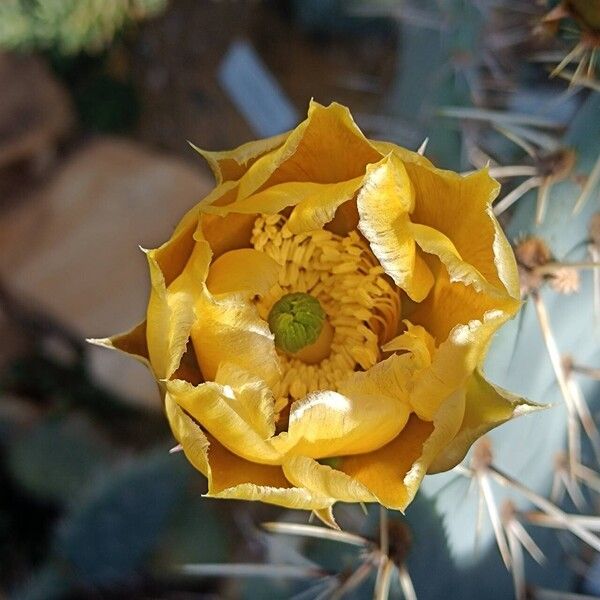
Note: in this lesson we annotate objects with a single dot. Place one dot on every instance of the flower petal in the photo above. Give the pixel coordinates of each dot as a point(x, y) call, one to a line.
point(232, 164)
point(189, 434)
point(234, 478)
point(253, 399)
point(432, 241)
point(230, 330)
point(171, 310)
point(225, 233)
point(244, 270)
point(403, 154)
point(462, 321)
point(230, 476)
point(369, 410)
point(384, 204)
point(393, 473)
point(415, 340)
point(315, 203)
point(327, 147)
point(220, 410)
point(172, 256)
point(453, 363)
point(487, 406)
point(325, 481)
point(132, 342)
point(460, 208)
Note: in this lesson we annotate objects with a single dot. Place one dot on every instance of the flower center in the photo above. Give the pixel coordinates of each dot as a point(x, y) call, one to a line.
point(296, 320)
point(330, 286)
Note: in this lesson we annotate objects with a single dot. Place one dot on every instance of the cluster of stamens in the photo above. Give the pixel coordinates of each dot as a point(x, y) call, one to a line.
point(362, 305)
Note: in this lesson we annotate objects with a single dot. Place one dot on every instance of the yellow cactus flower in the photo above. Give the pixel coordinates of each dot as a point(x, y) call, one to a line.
point(318, 322)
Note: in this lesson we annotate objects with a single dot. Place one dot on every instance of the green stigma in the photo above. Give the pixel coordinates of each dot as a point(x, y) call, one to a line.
point(296, 321)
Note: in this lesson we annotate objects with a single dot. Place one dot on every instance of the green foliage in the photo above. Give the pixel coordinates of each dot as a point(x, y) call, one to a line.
point(55, 459)
point(69, 26)
point(112, 530)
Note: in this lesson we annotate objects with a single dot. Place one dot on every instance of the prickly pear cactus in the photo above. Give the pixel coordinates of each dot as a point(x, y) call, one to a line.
point(543, 142)
point(516, 86)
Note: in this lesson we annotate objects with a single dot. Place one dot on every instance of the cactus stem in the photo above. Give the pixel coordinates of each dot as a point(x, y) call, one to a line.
point(250, 570)
point(354, 580)
point(479, 472)
point(588, 476)
point(590, 372)
point(542, 200)
point(592, 181)
point(544, 594)
point(423, 147)
point(588, 82)
point(551, 267)
point(497, 116)
point(594, 252)
point(517, 561)
point(546, 506)
point(575, 53)
point(518, 539)
point(559, 372)
point(585, 416)
point(315, 531)
point(564, 480)
point(384, 538)
point(384, 579)
point(512, 171)
point(516, 194)
point(486, 490)
point(591, 523)
point(527, 541)
point(408, 589)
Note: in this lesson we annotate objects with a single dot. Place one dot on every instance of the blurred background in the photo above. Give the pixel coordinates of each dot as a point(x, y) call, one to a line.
point(97, 103)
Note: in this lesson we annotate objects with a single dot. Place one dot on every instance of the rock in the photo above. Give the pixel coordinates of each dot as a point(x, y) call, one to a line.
point(35, 112)
point(73, 250)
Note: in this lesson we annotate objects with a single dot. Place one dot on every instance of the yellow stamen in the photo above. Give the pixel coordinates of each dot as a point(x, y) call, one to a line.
point(361, 304)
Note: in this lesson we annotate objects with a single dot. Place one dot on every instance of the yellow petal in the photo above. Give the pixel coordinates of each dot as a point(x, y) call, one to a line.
point(230, 330)
point(434, 242)
point(316, 210)
point(230, 476)
point(369, 410)
point(172, 256)
point(315, 203)
point(415, 340)
point(454, 362)
point(189, 434)
point(327, 147)
point(462, 321)
point(252, 399)
point(403, 154)
point(393, 473)
point(132, 342)
point(232, 164)
point(225, 233)
point(233, 477)
point(451, 304)
point(487, 406)
point(220, 410)
point(166, 264)
point(384, 204)
point(460, 208)
point(171, 310)
point(323, 480)
point(244, 270)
